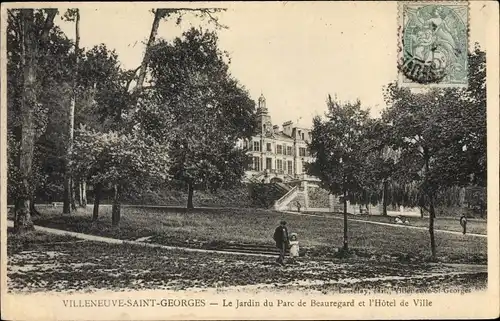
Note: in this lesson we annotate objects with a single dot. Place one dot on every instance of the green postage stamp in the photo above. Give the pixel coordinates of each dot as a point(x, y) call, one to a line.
point(433, 43)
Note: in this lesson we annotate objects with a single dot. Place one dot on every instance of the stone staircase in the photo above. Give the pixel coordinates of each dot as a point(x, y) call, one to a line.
point(284, 202)
point(283, 187)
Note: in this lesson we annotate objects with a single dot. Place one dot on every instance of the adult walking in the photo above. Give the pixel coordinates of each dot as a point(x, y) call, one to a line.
point(281, 239)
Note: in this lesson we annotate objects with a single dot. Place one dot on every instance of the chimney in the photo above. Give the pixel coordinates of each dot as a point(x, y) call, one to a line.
point(287, 128)
point(276, 129)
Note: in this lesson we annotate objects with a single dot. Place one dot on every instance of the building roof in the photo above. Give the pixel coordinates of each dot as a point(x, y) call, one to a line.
point(282, 135)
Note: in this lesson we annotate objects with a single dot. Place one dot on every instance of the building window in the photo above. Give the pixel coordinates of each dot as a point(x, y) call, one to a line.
point(269, 149)
point(256, 146)
point(245, 144)
point(289, 150)
point(302, 151)
point(269, 162)
point(302, 136)
point(249, 163)
point(256, 164)
point(279, 165)
point(279, 149)
point(290, 167)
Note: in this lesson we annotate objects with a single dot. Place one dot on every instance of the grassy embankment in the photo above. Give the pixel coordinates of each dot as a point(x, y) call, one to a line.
point(321, 236)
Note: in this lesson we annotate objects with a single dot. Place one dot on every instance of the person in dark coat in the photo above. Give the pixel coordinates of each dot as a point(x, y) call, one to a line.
point(281, 239)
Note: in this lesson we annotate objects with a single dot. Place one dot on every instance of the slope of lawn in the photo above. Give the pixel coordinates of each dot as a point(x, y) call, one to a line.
point(204, 228)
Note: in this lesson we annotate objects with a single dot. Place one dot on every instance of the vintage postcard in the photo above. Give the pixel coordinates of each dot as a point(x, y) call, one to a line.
point(249, 160)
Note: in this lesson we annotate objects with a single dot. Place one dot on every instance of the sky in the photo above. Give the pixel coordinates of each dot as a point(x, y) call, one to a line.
point(293, 53)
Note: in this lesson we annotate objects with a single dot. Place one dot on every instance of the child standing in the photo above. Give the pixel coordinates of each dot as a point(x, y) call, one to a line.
point(294, 246)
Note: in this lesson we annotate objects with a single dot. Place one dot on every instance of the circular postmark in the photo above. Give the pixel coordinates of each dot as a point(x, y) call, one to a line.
point(434, 44)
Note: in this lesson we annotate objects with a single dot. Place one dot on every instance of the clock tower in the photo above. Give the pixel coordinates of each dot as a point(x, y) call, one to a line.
point(264, 120)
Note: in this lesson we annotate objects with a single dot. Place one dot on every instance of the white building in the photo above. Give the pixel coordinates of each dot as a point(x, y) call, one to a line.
point(277, 155)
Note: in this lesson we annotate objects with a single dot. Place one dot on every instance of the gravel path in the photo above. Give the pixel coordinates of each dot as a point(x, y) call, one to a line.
point(386, 224)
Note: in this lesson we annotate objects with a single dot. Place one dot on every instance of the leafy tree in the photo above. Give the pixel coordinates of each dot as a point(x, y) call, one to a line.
point(416, 131)
point(102, 97)
point(200, 110)
point(102, 90)
point(442, 137)
point(336, 146)
point(160, 14)
point(379, 163)
point(463, 113)
point(52, 76)
point(120, 160)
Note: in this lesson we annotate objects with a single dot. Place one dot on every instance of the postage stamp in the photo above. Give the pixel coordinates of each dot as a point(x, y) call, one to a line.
point(433, 43)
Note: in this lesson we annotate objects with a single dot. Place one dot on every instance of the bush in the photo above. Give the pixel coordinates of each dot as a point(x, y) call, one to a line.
point(318, 198)
point(264, 195)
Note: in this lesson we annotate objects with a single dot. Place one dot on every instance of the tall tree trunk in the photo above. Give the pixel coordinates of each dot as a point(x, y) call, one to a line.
point(84, 193)
point(68, 184)
point(80, 194)
point(22, 215)
point(159, 14)
point(345, 247)
point(33, 210)
point(31, 39)
point(384, 198)
point(115, 210)
point(73, 195)
point(97, 199)
point(432, 215)
point(190, 196)
point(66, 193)
point(432, 212)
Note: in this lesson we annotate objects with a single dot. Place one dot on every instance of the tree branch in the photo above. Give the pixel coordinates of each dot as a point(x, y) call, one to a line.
point(205, 11)
point(12, 16)
point(214, 19)
point(132, 77)
point(49, 23)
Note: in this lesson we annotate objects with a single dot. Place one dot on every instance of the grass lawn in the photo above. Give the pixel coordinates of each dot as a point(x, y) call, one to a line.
point(450, 224)
point(44, 262)
point(319, 236)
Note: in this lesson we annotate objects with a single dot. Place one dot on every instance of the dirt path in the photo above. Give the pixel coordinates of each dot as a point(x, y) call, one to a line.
point(110, 240)
point(464, 268)
point(385, 224)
